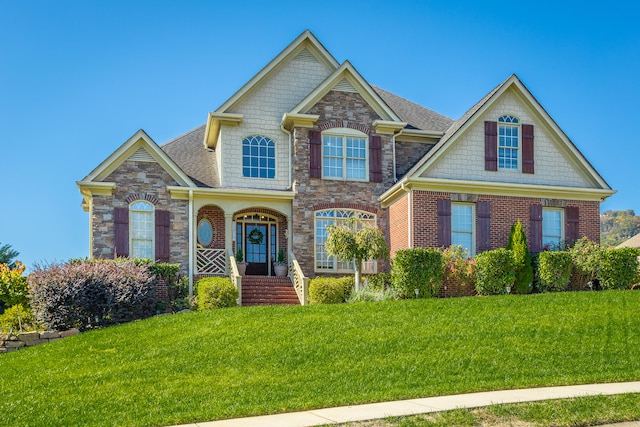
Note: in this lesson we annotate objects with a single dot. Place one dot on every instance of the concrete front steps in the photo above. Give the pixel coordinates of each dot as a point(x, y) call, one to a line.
point(268, 290)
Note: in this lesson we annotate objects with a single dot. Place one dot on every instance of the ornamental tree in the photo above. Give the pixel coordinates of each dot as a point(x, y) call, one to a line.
point(8, 255)
point(522, 258)
point(357, 242)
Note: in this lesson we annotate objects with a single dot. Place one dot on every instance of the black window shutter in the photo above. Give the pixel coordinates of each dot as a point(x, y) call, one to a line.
point(527, 149)
point(444, 222)
point(483, 239)
point(315, 154)
point(490, 146)
point(121, 232)
point(572, 221)
point(375, 158)
point(535, 224)
point(162, 235)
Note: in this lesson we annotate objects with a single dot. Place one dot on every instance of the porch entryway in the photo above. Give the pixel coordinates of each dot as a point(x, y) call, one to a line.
point(257, 236)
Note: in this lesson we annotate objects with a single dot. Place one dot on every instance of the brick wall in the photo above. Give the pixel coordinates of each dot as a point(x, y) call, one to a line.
point(505, 211)
point(215, 215)
point(399, 225)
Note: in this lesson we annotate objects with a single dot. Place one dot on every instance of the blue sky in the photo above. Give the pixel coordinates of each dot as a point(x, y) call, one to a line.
point(78, 78)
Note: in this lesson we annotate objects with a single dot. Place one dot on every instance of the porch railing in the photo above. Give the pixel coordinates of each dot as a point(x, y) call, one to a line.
point(211, 261)
point(234, 275)
point(300, 282)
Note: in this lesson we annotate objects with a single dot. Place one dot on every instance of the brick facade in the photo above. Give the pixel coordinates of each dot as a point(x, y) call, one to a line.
point(505, 211)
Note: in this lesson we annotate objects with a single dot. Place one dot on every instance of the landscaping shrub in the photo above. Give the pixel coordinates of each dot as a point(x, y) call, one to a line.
point(17, 318)
point(417, 268)
point(459, 270)
point(587, 257)
point(330, 290)
point(554, 270)
point(378, 282)
point(619, 268)
point(86, 294)
point(13, 285)
point(371, 293)
point(495, 272)
point(524, 269)
point(216, 292)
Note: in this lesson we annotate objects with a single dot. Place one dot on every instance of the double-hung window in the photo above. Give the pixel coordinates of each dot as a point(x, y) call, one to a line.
point(552, 227)
point(142, 226)
point(508, 142)
point(344, 155)
point(462, 226)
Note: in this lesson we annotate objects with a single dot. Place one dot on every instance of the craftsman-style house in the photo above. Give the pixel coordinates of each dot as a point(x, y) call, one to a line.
point(306, 143)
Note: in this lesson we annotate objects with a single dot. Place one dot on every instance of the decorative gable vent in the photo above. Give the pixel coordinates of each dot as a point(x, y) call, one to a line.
point(344, 86)
point(305, 55)
point(141, 155)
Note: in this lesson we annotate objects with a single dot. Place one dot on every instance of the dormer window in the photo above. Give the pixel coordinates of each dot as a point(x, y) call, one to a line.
point(508, 142)
point(258, 157)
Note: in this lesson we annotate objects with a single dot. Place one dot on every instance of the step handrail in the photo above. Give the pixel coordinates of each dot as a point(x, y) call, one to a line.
point(234, 275)
point(300, 281)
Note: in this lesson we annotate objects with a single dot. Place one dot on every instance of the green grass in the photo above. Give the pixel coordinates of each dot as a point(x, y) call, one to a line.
point(258, 360)
point(582, 411)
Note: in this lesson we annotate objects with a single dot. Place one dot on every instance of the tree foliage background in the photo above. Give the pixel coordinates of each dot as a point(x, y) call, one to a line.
point(618, 226)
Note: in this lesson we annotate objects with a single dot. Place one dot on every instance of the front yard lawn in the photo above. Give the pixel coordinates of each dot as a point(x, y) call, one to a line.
point(258, 360)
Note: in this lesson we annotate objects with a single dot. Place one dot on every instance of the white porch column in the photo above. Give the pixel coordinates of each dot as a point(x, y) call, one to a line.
point(228, 234)
point(289, 234)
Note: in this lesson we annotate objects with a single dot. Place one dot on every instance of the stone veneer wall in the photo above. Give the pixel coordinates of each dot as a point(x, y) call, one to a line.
point(408, 154)
point(12, 342)
point(349, 110)
point(505, 211)
point(140, 181)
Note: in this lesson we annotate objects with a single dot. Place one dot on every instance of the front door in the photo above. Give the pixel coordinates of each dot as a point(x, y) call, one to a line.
point(256, 243)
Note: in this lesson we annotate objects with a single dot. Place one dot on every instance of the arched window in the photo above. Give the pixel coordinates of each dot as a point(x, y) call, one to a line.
point(325, 218)
point(142, 230)
point(508, 142)
point(258, 157)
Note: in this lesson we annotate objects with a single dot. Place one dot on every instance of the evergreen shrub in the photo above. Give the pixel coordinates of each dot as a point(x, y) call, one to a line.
point(216, 292)
point(554, 270)
point(417, 268)
point(495, 272)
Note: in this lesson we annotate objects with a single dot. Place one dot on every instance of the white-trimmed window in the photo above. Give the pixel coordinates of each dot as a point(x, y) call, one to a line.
point(142, 230)
point(258, 157)
point(508, 142)
point(462, 226)
point(552, 227)
point(325, 218)
point(345, 154)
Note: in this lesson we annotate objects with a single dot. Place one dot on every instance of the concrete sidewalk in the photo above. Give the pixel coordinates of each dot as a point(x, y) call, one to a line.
point(343, 414)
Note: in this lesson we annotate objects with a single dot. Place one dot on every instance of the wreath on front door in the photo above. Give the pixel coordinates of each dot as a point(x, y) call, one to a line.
point(255, 237)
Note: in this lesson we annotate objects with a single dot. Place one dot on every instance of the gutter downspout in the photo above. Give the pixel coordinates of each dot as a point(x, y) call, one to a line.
point(290, 152)
point(191, 270)
point(393, 148)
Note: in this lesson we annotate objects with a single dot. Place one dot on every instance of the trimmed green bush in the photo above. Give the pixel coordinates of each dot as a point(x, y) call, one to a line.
point(619, 268)
point(587, 259)
point(495, 272)
point(417, 268)
point(216, 292)
point(554, 270)
point(329, 290)
point(89, 294)
point(524, 268)
point(378, 282)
